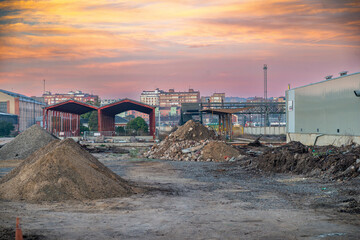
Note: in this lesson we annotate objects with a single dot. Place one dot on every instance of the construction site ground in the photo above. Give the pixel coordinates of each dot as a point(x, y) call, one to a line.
point(194, 200)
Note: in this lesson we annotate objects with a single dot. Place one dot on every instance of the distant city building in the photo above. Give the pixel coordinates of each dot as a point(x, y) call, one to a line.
point(175, 99)
point(151, 97)
point(205, 99)
point(255, 99)
point(170, 98)
point(120, 121)
point(279, 99)
point(168, 111)
point(27, 109)
point(215, 98)
point(39, 99)
point(235, 99)
point(134, 114)
point(104, 102)
point(51, 99)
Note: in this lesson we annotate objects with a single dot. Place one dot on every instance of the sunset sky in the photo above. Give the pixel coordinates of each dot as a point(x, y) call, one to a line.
point(116, 49)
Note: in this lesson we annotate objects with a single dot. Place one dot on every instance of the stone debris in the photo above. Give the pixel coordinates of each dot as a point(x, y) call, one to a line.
point(192, 130)
point(193, 142)
point(220, 151)
point(26, 143)
point(62, 170)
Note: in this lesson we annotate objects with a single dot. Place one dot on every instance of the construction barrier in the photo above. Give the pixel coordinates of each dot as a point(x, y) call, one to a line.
point(18, 232)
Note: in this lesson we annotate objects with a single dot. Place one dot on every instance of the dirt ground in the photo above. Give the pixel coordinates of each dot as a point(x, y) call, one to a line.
point(196, 200)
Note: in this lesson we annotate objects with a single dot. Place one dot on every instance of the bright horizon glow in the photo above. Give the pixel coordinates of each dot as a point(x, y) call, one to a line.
point(117, 49)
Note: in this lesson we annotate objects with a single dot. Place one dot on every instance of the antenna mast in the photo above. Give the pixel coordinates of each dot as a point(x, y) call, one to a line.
point(265, 82)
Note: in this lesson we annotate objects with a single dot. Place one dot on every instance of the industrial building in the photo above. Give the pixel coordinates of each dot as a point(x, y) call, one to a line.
point(27, 109)
point(326, 112)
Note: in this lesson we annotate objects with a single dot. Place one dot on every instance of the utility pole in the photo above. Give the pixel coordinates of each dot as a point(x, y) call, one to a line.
point(265, 98)
point(44, 87)
point(158, 132)
point(265, 82)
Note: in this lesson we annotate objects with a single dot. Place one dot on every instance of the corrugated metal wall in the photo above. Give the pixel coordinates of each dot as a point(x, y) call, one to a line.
point(328, 107)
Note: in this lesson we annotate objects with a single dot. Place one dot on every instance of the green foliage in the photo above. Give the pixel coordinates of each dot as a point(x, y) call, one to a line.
point(83, 129)
point(120, 130)
point(94, 103)
point(137, 125)
point(86, 115)
point(93, 121)
point(134, 152)
point(92, 117)
point(6, 128)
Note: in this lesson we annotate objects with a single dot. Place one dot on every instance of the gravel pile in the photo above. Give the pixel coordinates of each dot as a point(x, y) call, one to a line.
point(62, 170)
point(192, 130)
point(193, 142)
point(26, 143)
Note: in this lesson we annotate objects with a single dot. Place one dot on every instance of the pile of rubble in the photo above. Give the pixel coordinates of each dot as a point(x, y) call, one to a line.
point(328, 162)
point(62, 170)
point(26, 143)
point(192, 130)
point(193, 142)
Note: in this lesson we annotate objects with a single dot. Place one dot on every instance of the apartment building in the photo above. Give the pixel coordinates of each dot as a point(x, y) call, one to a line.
point(175, 99)
point(51, 99)
point(151, 97)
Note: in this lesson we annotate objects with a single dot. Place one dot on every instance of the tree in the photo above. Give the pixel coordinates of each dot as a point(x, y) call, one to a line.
point(6, 128)
point(137, 124)
point(92, 117)
point(83, 129)
point(120, 130)
point(93, 121)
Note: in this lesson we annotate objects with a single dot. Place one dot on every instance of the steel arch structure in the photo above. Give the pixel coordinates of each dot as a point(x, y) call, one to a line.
point(106, 114)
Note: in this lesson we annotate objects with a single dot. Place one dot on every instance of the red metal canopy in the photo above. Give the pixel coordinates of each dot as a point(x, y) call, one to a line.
point(60, 117)
point(72, 106)
point(106, 114)
point(63, 119)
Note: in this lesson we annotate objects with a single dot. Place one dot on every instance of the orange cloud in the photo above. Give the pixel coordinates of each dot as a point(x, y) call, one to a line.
point(143, 39)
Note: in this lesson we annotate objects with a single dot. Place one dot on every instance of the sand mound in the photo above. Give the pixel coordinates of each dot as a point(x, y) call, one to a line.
point(192, 130)
point(26, 143)
point(62, 170)
point(219, 151)
point(327, 162)
point(192, 142)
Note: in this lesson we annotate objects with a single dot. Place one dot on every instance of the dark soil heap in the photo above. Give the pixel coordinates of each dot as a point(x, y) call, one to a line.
point(190, 143)
point(26, 143)
point(327, 162)
point(62, 170)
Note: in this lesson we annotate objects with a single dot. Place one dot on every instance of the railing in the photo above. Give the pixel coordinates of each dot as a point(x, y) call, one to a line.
point(254, 108)
point(113, 133)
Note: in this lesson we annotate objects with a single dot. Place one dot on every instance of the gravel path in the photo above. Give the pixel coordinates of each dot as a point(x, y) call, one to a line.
point(197, 200)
